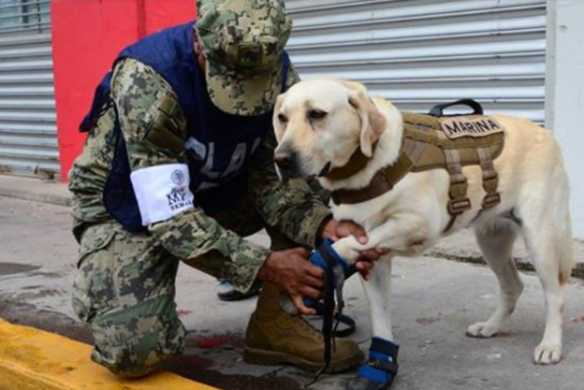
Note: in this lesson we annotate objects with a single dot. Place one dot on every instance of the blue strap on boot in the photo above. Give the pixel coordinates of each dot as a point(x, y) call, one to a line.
point(381, 368)
point(336, 271)
point(326, 257)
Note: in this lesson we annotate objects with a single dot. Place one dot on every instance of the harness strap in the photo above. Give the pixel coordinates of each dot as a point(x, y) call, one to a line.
point(384, 179)
point(458, 202)
point(490, 179)
point(413, 149)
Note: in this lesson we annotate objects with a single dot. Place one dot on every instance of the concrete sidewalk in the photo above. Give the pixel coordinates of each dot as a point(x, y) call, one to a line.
point(435, 300)
point(50, 192)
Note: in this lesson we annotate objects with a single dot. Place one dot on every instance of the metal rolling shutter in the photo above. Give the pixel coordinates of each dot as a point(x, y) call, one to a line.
point(28, 133)
point(420, 52)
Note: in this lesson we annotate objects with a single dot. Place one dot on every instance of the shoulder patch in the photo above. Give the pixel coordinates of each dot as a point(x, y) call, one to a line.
point(165, 124)
point(468, 126)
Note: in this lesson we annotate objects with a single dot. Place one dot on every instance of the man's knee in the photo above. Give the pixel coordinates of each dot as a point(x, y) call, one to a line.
point(132, 345)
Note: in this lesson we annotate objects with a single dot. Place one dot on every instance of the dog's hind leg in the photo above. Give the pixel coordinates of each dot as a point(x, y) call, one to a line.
point(547, 233)
point(496, 239)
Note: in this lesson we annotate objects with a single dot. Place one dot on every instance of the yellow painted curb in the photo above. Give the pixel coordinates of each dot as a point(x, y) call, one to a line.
point(31, 359)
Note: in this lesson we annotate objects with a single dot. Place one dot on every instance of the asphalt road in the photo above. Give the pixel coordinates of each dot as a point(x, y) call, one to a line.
point(435, 300)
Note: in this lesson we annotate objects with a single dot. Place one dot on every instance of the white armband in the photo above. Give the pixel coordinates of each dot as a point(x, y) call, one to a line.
point(162, 191)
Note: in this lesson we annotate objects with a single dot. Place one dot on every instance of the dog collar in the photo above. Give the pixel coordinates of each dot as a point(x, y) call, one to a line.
point(382, 182)
point(356, 164)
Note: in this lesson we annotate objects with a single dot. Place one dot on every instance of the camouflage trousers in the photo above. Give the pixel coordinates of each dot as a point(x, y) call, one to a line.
point(125, 290)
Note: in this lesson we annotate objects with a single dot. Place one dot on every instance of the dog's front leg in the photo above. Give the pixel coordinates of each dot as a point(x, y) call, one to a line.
point(378, 292)
point(396, 233)
point(378, 288)
point(399, 234)
point(381, 367)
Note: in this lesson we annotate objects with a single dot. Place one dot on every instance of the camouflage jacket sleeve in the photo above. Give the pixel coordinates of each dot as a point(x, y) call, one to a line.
point(296, 209)
point(154, 129)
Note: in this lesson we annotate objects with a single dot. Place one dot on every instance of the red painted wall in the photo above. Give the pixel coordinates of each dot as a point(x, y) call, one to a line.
point(87, 36)
point(163, 13)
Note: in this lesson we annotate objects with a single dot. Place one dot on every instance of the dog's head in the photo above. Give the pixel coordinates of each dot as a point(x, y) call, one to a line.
point(320, 123)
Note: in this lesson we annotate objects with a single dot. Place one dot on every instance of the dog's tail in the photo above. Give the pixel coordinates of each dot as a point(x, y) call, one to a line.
point(566, 253)
point(565, 241)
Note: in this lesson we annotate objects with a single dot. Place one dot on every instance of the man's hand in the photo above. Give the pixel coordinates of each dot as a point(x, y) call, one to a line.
point(335, 230)
point(292, 273)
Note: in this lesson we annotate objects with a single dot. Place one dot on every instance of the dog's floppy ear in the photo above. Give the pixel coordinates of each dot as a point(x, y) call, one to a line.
point(373, 122)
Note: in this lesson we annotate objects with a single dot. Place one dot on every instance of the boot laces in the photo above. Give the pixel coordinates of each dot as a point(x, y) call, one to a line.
point(305, 325)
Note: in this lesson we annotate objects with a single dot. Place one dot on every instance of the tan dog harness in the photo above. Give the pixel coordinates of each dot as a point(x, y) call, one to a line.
point(436, 142)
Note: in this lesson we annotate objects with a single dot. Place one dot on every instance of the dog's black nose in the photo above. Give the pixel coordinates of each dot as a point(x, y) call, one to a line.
point(283, 160)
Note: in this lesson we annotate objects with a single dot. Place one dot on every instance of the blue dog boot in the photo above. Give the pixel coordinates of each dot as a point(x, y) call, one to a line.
point(381, 368)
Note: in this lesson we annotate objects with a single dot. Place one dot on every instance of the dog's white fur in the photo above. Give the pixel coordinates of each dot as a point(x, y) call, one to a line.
point(411, 217)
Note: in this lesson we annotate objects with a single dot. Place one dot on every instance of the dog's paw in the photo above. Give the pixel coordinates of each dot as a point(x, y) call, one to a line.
point(482, 330)
point(547, 354)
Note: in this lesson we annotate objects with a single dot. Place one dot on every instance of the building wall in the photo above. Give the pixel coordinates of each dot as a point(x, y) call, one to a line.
point(419, 53)
point(565, 95)
point(28, 129)
point(87, 36)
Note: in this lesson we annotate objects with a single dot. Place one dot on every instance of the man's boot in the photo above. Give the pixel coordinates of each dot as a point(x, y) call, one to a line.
point(276, 337)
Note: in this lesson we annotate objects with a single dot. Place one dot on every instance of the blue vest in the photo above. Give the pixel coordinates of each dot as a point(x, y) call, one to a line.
point(218, 144)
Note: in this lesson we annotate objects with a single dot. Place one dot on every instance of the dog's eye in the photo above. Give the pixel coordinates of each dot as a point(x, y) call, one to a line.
point(316, 114)
point(282, 118)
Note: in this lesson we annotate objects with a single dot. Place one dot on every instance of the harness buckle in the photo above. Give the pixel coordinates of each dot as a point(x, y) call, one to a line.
point(491, 200)
point(458, 206)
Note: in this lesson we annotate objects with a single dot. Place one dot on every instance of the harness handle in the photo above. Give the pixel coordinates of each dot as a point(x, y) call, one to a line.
point(438, 110)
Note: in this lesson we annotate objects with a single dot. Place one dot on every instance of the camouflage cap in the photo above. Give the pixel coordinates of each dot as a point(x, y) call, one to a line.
point(243, 41)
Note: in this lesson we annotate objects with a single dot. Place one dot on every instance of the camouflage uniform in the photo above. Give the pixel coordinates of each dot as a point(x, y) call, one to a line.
point(125, 286)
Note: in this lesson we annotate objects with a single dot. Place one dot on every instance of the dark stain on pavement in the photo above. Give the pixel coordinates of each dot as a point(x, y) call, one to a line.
point(427, 320)
point(45, 292)
point(22, 313)
point(46, 274)
point(193, 367)
point(15, 268)
point(226, 340)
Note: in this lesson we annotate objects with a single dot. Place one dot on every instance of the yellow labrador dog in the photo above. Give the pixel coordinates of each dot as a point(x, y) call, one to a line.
point(321, 122)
